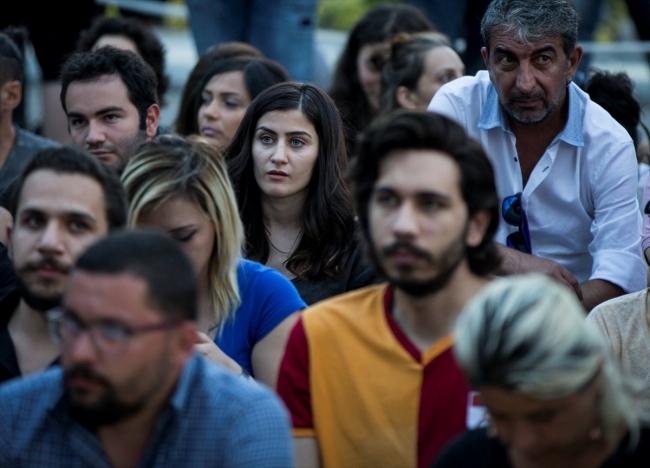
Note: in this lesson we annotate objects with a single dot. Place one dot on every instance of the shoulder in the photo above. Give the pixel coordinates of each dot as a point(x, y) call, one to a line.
point(353, 308)
point(225, 396)
point(473, 449)
point(26, 402)
point(27, 139)
point(258, 282)
point(621, 309)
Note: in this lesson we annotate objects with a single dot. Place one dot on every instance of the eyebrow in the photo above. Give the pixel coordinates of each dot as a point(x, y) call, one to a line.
point(503, 50)
point(182, 228)
point(424, 193)
point(294, 133)
point(68, 214)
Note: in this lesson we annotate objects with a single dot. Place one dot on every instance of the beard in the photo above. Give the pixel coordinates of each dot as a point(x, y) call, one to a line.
point(107, 410)
point(39, 300)
point(530, 117)
point(446, 265)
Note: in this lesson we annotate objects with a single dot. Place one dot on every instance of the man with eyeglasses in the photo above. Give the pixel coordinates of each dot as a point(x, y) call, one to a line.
point(130, 390)
point(64, 200)
point(565, 169)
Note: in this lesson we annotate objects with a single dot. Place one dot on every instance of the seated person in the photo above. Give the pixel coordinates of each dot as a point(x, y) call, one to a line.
point(625, 323)
point(130, 391)
point(286, 164)
point(414, 69)
point(554, 395)
point(128, 34)
point(246, 310)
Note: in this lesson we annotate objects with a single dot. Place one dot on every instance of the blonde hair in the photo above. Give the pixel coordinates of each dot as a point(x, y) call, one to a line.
point(530, 335)
point(169, 166)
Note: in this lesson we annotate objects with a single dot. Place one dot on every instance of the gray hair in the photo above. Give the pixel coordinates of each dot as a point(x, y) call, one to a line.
point(532, 21)
point(529, 335)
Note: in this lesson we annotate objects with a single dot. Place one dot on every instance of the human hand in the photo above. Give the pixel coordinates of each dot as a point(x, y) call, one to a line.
point(208, 348)
point(519, 263)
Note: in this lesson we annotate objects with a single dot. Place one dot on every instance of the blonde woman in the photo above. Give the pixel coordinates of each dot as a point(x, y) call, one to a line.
point(246, 310)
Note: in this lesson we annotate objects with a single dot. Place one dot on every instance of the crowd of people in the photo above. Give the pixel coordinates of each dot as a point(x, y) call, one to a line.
point(414, 268)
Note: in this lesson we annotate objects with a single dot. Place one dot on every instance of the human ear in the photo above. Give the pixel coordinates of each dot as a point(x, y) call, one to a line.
point(574, 61)
point(486, 58)
point(404, 98)
point(477, 227)
point(151, 121)
point(11, 94)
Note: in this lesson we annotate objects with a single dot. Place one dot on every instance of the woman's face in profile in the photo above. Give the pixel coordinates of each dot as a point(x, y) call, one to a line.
point(224, 101)
point(186, 222)
point(285, 148)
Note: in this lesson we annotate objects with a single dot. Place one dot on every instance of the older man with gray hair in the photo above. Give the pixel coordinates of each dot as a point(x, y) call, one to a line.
point(565, 169)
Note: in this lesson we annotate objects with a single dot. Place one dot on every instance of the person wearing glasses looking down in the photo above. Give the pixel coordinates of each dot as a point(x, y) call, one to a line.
point(63, 201)
point(565, 169)
point(246, 310)
point(130, 390)
point(286, 164)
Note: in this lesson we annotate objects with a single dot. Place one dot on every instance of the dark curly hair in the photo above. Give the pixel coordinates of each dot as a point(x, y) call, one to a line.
point(327, 218)
point(428, 131)
point(149, 46)
point(137, 76)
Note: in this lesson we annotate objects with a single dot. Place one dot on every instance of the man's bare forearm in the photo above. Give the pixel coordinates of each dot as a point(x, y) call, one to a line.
point(597, 291)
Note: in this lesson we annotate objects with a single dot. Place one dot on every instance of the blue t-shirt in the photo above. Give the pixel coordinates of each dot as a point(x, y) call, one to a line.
point(267, 298)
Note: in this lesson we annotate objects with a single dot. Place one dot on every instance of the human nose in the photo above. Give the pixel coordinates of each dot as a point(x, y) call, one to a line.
point(525, 77)
point(211, 111)
point(405, 224)
point(521, 435)
point(95, 133)
point(81, 347)
point(51, 238)
point(279, 155)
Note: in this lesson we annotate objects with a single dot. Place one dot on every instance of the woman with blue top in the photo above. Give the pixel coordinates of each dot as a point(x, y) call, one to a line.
point(246, 310)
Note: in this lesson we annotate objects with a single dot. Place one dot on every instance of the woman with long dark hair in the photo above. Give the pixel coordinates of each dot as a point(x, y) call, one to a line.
point(286, 164)
point(355, 86)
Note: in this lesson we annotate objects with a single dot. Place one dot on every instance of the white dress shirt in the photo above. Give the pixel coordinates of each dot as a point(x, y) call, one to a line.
point(580, 199)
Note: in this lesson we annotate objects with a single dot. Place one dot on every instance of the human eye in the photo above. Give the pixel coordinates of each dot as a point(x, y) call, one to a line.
point(296, 142)
point(231, 103)
point(542, 59)
point(112, 332)
point(266, 139)
point(33, 221)
point(76, 122)
point(385, 199)
point(429, 203)
point(184, 236)
point(542, 417)
point(205, 99)
point(111, 117)
point(78, 226)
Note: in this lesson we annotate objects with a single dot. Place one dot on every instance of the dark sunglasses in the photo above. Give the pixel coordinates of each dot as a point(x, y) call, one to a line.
point(514, 214)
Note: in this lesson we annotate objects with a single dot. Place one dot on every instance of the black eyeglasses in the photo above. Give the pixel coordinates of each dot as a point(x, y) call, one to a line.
point(107, 337)
point(514, 214)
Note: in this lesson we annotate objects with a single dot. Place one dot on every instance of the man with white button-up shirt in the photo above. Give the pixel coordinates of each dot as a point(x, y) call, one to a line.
point(561, 158)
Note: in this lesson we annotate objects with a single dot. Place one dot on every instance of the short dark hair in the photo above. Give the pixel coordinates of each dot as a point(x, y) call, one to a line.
point(149, 46)
point(614, 92)
point(137, 76)
point(70, 160)
point(216, 53)
point(154, 257)
point(11, 61)
point(258, 73)
point(327, 218)
point(429, 131)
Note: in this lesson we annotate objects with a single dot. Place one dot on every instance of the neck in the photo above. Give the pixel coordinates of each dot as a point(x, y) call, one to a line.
point(7, 137)
point(425, 320)
point(283, 213)
point(30, 322)
point(549, 128)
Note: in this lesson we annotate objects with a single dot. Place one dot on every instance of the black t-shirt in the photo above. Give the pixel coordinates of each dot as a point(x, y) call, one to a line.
point(474, 449)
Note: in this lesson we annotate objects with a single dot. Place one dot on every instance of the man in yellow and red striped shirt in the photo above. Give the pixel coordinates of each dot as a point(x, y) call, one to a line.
point(369, 376)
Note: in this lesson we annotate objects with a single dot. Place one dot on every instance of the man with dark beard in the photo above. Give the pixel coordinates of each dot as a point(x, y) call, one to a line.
point(63, 201)
point(566, 171)
point(109, 96)
point(369, 376)
point(131, 392)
